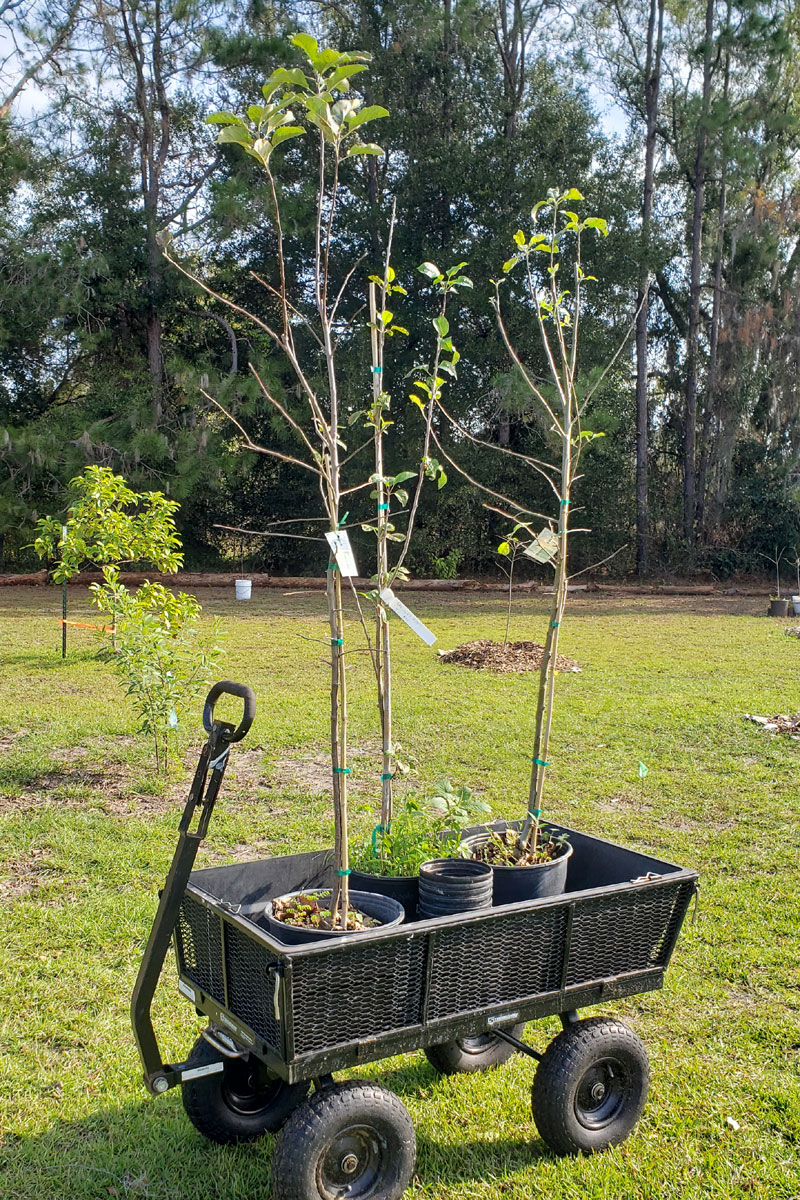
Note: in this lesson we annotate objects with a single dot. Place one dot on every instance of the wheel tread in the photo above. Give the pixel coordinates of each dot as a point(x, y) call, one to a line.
point(555, 1075)
point(310, 1121)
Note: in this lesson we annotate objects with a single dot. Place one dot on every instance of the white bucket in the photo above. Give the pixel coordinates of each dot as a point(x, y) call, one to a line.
point(243, 588)
point(796, 605)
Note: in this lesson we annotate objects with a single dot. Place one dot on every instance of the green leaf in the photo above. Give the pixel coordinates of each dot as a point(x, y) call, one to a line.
point(597, 223)
point(448, 369)
point(340, 78)
point(441, 325)
point(234, 133)
point(430, 269)
point(510, 263)
point(573, 194)
point(256, 113)
point(282, 75)
point(327, 59)
point(308, 44)
point(364, 148)
point(519, 238)
point(373, 112)
point(504, 548)
point(403, 477)
point(442, 479)
point(285, 132)
point(224, 118)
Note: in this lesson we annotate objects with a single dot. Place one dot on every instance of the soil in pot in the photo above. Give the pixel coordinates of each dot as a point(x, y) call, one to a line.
point(453, 885)
point(403, 888)
point(306, 916)
point(515, 880)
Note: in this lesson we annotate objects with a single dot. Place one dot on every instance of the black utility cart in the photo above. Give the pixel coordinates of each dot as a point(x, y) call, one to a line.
point(462, 988)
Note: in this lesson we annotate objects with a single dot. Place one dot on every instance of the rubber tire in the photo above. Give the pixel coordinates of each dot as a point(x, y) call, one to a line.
point(299, 1168)
point(454, 1058)
point(567, 1124)
point(209, 1105)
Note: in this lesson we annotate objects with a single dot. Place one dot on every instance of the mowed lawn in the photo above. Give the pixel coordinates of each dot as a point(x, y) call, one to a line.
point(86, 836)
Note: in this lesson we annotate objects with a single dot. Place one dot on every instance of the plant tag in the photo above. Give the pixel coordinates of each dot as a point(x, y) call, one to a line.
point(340, 545)
point(405, 614)
point(544, 546)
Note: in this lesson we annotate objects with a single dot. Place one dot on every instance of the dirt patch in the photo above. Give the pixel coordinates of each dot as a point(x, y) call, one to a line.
point(512, 658)
point(310, 771)
point(25, 875)
point(8, 740)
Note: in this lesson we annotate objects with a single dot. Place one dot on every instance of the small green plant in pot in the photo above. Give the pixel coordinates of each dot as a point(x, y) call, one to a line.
point(421, 829)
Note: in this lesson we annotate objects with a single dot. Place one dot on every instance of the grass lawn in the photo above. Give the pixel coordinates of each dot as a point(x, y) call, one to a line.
point(86, 837)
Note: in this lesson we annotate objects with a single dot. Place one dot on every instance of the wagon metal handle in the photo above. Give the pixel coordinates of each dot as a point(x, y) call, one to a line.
point(232, 689)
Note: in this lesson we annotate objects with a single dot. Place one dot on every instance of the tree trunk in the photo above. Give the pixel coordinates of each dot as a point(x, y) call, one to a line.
point(655, 40)
point(699, 185)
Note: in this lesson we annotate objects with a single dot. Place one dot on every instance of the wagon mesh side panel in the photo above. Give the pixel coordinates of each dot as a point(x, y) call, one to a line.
point(358, 993)
point(505, 961)
point(250, 986)
point(630, 932)
point(199, 939)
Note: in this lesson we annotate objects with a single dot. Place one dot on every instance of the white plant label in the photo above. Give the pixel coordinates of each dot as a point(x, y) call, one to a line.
point(343, 552)
point(405, 614)
point(544, 546)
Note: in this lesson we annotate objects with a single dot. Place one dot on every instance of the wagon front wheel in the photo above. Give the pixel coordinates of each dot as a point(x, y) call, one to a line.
point(590, 1087)
point(240, 1103)
point(476, 1053)
point(350, 1140)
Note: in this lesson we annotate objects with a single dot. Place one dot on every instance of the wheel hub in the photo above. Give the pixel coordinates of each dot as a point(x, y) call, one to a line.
point(601, 1094)
point(353, 1164)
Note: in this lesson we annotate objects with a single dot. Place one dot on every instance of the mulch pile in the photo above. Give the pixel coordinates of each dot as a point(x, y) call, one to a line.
point(514, 657)
point(783, 723)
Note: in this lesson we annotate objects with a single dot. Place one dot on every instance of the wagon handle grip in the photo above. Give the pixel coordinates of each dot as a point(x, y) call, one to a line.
point(232, 689)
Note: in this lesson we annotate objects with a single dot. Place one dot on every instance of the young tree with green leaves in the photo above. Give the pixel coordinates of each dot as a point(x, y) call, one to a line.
point(556, 304)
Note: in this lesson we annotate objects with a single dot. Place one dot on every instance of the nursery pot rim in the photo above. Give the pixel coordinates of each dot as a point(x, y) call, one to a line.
point(475, 838)
point(354, 898)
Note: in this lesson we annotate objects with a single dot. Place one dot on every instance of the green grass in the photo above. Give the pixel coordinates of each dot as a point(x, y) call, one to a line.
point(87, 834)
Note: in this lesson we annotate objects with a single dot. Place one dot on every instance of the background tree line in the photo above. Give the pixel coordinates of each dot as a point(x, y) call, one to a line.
point(105, 350)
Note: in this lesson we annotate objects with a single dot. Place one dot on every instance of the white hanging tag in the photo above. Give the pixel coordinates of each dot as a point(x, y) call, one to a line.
point(340, 545)
point(544, 547)
point(405, 614)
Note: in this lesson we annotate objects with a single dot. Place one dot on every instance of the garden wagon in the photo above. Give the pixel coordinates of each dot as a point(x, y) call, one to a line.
point(283, 1017)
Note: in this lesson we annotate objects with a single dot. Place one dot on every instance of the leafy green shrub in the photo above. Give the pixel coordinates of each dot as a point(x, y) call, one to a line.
point(161, 655)
point(420, 829)
point(447, 567)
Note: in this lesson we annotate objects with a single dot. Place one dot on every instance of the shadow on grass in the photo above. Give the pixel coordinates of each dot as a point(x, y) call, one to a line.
point(150, 1150)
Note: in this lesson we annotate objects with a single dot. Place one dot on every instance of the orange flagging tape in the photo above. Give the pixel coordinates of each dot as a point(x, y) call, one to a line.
point(83, 625)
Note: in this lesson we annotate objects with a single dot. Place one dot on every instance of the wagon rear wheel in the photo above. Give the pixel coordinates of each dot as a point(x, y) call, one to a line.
point(476, 1053)
point(240, 1103)
point(590, 1087)
point(350, 1140)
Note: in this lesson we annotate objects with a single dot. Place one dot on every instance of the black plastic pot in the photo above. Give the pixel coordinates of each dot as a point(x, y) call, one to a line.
point(453, 885)
point(779, 608)
point(382, 908)
point(404, 888)
point(512, 885)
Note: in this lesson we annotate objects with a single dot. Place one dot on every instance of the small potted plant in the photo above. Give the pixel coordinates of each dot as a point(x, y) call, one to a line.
point(421, 830)
point(778, 605)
